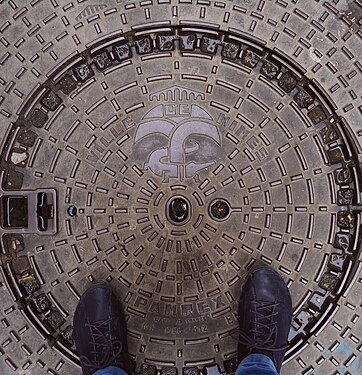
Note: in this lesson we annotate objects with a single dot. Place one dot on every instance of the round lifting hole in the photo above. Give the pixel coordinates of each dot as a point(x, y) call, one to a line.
point(178, 210)
point(219, 209)
point(72, 211)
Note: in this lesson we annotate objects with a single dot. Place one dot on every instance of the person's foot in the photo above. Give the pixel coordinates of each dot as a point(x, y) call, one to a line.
point(99, 331)
point(265, 313)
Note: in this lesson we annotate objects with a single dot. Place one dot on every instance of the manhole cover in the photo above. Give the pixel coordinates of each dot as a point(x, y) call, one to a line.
point(168, 161)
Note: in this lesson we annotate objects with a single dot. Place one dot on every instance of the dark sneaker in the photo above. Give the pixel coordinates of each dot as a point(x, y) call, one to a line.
point(99, 331)
point(265, 314)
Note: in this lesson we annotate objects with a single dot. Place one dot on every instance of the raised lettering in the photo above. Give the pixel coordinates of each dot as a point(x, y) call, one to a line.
point(140, 302)
point(261, 153)
point(203, 307)
point(128, 123)
point(155, 307)
point(186, 310)
point(170, 109)
point(218, 302)
point(185, 110)
point(252, 142)
point(116, 133)
point(242, 132)
point(171, 310)
point(92, 157)
point(223, 120)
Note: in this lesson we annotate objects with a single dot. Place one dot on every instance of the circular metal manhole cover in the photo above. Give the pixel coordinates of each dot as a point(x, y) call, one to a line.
point(168, 162)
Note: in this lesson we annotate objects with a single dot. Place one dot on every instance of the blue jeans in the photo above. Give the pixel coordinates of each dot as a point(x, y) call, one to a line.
point(111, 370)
point(254, 364)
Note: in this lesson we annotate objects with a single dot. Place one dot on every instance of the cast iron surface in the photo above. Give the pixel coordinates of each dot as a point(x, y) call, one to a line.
point(166, 147)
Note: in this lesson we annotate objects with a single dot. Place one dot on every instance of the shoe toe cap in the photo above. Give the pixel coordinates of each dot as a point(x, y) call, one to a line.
point(97, 303)
point(265, 284)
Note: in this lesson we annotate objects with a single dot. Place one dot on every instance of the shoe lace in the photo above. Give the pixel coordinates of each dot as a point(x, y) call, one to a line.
point(106, 349)
point(264, 334)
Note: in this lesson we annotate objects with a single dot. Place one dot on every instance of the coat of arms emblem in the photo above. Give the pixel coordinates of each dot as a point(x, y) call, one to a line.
point(177, 138)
